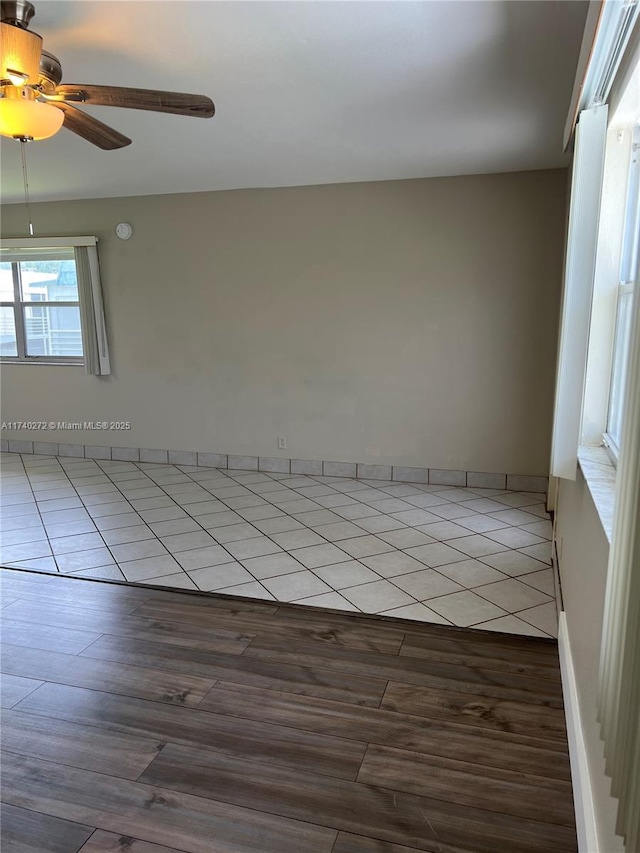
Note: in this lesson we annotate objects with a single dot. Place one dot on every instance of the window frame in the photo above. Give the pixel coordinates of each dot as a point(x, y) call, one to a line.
point(627, 287)
point(90, 242)
point(19, 304)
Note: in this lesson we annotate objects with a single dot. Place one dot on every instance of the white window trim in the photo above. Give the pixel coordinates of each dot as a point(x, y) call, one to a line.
point(611, 445)
point(46, 242)
point(588, 169)
point(607, 63)
point(605, 288)
point(609, 29)
point(627, 278)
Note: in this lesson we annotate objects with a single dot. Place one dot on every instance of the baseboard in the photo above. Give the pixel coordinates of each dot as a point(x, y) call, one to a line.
point(282, 465)
point(586, 826)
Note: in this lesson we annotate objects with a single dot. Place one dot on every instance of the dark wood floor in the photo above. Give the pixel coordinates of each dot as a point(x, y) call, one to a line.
point(151, 721)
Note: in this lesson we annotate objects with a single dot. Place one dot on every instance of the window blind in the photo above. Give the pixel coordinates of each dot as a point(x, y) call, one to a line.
point(94, 333)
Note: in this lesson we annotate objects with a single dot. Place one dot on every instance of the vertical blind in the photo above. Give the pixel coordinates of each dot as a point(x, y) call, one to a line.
point(94, 333)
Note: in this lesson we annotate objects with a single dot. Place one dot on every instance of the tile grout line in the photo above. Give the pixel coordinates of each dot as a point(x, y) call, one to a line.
point(114, 483)
point(313, 569)
point(261, 533)
point(220, 544)
point(35, 500)
point(92, 521)
point(388, 579)
point(263, 496)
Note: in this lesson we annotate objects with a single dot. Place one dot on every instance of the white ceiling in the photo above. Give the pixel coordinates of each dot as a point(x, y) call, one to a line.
point(308, 92)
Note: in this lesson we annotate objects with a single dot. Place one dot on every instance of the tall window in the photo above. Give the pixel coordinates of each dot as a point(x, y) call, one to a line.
point(628, 285)
point(40, 308)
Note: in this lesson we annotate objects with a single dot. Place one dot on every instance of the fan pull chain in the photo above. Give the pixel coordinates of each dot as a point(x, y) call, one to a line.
point(27, 201)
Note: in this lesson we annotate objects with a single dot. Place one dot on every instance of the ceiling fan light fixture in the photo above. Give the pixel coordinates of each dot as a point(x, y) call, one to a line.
point(33, 104)
point(20, 51)
point(24, 117)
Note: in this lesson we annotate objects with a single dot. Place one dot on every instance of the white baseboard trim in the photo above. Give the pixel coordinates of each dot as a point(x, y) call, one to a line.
point(586, 826)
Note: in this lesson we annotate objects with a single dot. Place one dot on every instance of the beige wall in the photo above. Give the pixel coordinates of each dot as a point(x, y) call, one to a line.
point(404, 322)
point(583, 551)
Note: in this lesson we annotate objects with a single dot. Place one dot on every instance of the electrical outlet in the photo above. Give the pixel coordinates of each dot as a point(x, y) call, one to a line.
point(282, 442)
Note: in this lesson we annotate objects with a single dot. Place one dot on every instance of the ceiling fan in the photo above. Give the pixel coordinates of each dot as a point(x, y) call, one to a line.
point(33, 104)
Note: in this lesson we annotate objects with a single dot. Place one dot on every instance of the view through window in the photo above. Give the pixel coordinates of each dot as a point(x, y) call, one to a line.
point(39, 308)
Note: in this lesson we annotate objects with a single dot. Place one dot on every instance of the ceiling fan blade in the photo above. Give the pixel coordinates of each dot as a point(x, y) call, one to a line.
point(90, 128)
point(138, 99)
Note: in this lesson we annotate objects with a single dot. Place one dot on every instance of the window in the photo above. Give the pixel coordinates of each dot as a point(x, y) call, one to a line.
point(51, 303)
point(624, 312)
point(40, 308)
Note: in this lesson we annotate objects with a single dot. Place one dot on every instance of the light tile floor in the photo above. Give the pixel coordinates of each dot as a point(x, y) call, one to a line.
point(468, 557)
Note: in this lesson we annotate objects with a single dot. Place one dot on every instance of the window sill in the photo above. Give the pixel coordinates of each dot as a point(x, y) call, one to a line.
point(600, 475)
point(42, 362)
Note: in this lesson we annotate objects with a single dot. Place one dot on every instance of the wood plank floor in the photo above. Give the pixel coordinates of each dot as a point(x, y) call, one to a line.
point(151, 721)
